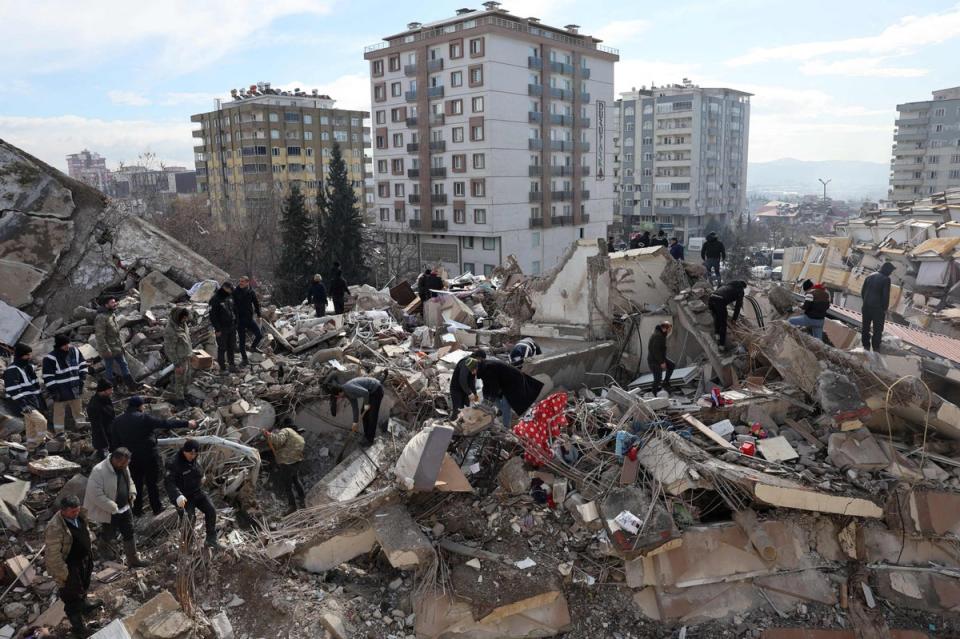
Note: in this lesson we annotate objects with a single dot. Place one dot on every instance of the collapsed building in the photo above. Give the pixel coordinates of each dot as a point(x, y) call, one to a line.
point(785, 488)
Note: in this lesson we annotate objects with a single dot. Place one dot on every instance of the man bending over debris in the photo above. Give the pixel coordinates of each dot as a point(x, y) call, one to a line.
point(287, 446)
point(661, 367)
point(101, 415)
point(463, 383)
point(876, 299)
point(365, 395)
point(184, 484)
point(22, 386)
point(137, 431)
point(816, 303)
point(223, 318)
point(719, 300)
point(64, 370)
point(110, 492)
point(508, 386)
point(69, 561)
point(178, 347)
point(110, 344)
point(523, 349)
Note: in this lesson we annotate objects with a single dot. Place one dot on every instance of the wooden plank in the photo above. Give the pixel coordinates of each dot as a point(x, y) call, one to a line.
point(816, 502)
point(707, 432)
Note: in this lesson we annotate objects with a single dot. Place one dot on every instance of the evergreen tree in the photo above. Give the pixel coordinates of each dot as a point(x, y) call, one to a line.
point(737, 266)
point(295, 266)
point(340, 224)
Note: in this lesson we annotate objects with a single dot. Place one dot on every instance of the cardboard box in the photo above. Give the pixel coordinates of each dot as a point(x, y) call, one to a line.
point(201, 360)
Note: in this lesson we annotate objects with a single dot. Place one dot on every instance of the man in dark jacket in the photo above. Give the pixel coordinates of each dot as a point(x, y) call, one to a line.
point(875, 294)
point(712, 253)
point(101, 415)
point(136, 431)
point(69, 560)
point(247, 307)
point(645, 240)
point(729, 293)
point(365, 395)
point(64, 370)
point(338, 289)
point(184, 484)
point(661, 239)
point(423, 285)
point(661, 367)
point(634, 241)
point(523, 349)
point(317, 295)
point(223, 317)
point(22, 386)
point(509, 387)
point(816, 303)
point(676, 249)
point(463, 383)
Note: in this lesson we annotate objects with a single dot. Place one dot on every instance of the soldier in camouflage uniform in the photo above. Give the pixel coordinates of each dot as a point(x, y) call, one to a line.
point(178, 348)
point(110, 343)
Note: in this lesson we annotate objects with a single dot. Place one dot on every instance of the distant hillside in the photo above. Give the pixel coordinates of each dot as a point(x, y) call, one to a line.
point(849, 179)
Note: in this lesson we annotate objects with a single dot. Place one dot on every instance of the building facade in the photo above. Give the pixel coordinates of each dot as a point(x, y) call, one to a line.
point(681, 159)
point(491, 139)
point(91, 169)
point(253, 148)
point(926, 146)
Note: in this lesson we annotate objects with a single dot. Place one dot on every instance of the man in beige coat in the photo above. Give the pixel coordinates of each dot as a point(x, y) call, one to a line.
point(69, 561)
point(108, 500)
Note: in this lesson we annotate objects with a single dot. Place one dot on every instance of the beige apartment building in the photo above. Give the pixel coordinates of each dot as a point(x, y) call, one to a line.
point(255, 146)
point(491, 138)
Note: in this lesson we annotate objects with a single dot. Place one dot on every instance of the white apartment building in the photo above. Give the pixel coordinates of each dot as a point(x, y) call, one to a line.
point(681, 159)
point(491, 138)
point(926, 146)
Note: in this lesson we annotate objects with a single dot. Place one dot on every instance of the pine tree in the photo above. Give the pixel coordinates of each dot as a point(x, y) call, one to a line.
point(295, 266)
point(340, 224)
point(737, 266)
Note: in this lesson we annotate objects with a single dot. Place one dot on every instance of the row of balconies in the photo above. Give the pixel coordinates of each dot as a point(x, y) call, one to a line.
point(435, 172)
point(560, 94)
point(536, 144)
point(435, 198)
point(438, 146)
point(559, 196)
point(558, 119)
point(432, 92)
point(536, 62)
point(432, 224)
point(537, 170)
point(433, 66)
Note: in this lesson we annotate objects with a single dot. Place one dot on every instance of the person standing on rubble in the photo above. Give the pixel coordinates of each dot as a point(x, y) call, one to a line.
point(287, 446)
point(676, 249)
point(875, 294)
point(247, 306)
point(338, 289)
point(712, 253)
point(816, 303)
point(178, 347)
point(184, 484)
point(101, 415)
point(463, 383)
point(423, 285)
point(110, 343)
point(317, 295)
point(523, 349)
point(729, 293)
point(137, 431)
point(64, 371)
point(365, 395)
point(661, 366)
point(108, 497)
point(223, 318)
point(69, 560)
point(508, 387)
point(22, 387)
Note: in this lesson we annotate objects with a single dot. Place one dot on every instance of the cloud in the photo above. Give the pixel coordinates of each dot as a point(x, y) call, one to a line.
point(128, 98)
point(621, 32)
point(908, 35)
point(860, 67)
point(181, 35)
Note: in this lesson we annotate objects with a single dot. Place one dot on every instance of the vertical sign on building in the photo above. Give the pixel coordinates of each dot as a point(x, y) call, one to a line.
point(601, 138)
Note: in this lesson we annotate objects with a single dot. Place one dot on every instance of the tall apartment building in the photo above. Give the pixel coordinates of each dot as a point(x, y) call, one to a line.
point(257, 145)
point(491, 139)
point(926, 146)
point(681, 158)
point(91, 169)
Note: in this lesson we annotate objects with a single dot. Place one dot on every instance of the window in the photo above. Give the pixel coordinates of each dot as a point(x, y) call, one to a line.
point(324, 120)
point(467, 242)
point(398, 139)
point(308, 135)
point(293, 150)
point(459, 216)
point(381, 117)
point(478, 188)
point(293, 135)
point(274, 134)
point(954, 174)
point(933, 175)
point(459, 189)
point(458, 134)
point(379, 92)
point(398, 190)
point(479, 161)
point(479, 216)
point(395, 89)
point(459, 162)
point(476, 76)
point(933, 159)
point(291, 117)
point(456, 49)
point(384, 214)
point(309, 152)
point(377, 67)
point(938, 128)
point(456, 79)
point(469, 267)
point(383, 189)
point(535, 237)
point(308, 119)
point(476, 47)
point(477, 104)
point(340, 136)
point(394, 63)
point(939, 113)
point(399, 215)
point(456, 107)
point(274, 117)
point(476, 133)
point(955, 159)
point(489, 244)
point(275, 151)
point(396, 166)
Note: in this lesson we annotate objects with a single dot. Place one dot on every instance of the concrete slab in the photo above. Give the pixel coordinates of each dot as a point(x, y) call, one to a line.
point(326, 553)
point(351, 476)
point(400, 538)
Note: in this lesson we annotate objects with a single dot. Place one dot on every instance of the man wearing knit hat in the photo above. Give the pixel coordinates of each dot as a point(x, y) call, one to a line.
point(100, 412)
point(64, 370)
point(22, 386)
point(184, 484)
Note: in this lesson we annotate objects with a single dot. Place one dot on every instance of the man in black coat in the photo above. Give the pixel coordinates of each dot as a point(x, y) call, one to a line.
point(509, 386)
point(729, 293)
point(463, 384)
point(137, 431)
point(223, 318)
point(246, 304)
point(317, 295)
point(712, 253)
point(875, 294)
point(101, 414)
point(661, 366)
point(338, 289)
point(184, 484)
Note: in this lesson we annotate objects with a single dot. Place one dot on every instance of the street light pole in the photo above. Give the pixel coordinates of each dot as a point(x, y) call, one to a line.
point(825, 183)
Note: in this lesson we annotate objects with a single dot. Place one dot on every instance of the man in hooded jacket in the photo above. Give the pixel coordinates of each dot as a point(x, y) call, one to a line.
point(223, 318)
point(875, 294)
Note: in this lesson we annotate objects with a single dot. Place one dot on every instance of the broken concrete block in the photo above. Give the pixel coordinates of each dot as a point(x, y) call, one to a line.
point(419, 464)
point(925, 512)
point(856, 449)
point(658, 524)
point(166, 624)
point(351, 476)
point(52, 466)
point(334, 625)
point(221, 626)
point(163, 602)
point(513, 477)
point(839, 397)
point(474, 419)
point(14, 492)
point(76, 486)
point(776, 449)
point(326, 553)
point(156, 289)
point(113, 630)
point(918, 590)
point(400, 537)
point(674, 474)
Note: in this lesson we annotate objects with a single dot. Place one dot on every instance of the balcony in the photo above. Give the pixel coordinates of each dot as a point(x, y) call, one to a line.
point(534, 62)
point(560, 171)
point(534, 116)
point(410, 96)
point(413, 198)
point(911, 121)
point(585, 73)
point(535, 170)
point(536, 196)
point(416, 224)
point(438, 198)
point(412, 122)
point(562, 120)
point(413, 173)
point(561, 67)
point(437, 119)
point(561, 220)
point(435, 92)
point(435, 65)
point(438, 146)
point(583, 123)
point(584, 170)
point(413, 147)
point(907, 137)
point(561, 145)
point(198, 133)
point(410, 70)
point(199, 149)
point(438, 172)
point(584, 219)
point(561, 196)
point(585, 97)
point(898, 182)
point(584, 194)
point(536, 222)
point(534, 144)
point(561, 94)
point(438, 225)
point(535, 89)
point(583, 146)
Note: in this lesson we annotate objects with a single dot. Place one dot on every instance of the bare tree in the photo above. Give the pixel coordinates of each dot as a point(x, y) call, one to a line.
point(395, 256)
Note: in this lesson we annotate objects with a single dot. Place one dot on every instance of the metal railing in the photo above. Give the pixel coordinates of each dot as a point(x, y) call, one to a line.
point(413, 173)
point(413, 147)
point(561, 220)
point(435, 65)
point(438, 145)
point(410, 96)
point(438, 172)
point(536, 196)
point(438, 225)
point(413, 198)
point(434, 92)
point(411, 122)
point(438, 198)
point(536, 222)
point(410, 70)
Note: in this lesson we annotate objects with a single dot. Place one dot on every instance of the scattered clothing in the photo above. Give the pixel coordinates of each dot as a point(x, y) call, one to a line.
point(546, 420)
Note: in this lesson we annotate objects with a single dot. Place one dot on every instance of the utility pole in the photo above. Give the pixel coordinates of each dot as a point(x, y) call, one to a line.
point(825, 183)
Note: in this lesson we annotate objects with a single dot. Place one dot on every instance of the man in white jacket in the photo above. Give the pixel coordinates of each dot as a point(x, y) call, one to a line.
point(109, 496)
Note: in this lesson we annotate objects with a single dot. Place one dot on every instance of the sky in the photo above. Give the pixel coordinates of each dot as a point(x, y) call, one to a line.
point(122, 78)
